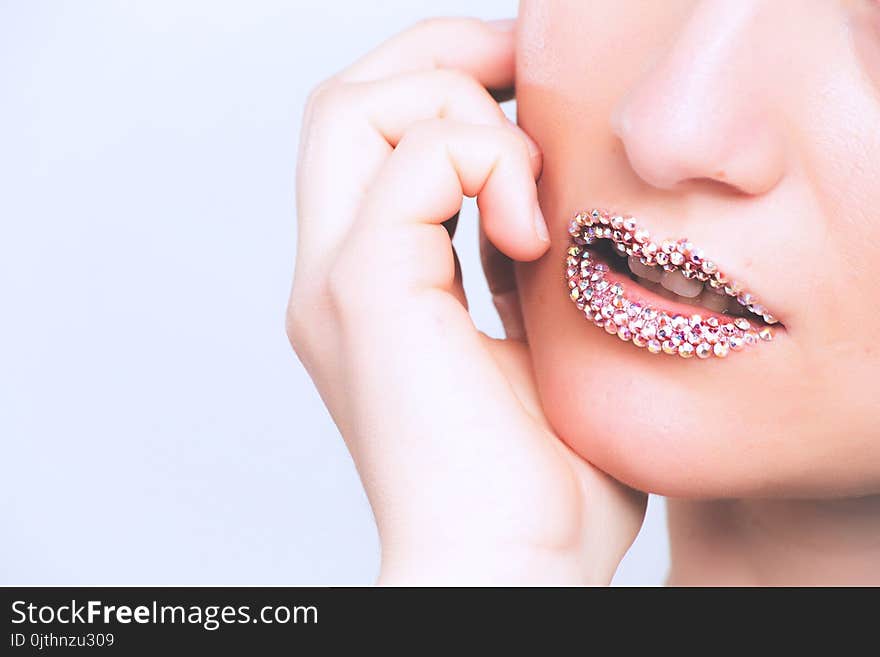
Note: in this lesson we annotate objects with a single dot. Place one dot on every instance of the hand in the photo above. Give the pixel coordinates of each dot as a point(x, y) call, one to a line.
point(465, 476)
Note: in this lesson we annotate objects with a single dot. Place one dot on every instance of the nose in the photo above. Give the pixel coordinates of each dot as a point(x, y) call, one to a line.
point(704, 111)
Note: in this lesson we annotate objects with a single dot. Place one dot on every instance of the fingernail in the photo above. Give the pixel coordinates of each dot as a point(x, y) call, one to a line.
point(541, 225)
point(534, 149)
point(502, 24)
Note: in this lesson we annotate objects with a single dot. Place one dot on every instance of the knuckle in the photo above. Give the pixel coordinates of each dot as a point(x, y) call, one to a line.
point(324, 98)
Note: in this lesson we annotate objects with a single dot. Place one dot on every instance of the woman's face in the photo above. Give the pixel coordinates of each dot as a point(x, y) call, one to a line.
point(751, 128)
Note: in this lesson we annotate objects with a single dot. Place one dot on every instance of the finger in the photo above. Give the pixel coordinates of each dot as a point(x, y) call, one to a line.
point(392, 104)
point(423, 182)
point(351, 135)
point(498, 269)
point(482, 49)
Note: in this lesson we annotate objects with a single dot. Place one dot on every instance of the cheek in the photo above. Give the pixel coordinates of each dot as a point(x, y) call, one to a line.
point(749, 426)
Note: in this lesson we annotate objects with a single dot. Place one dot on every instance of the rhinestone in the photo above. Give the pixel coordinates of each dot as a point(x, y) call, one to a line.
point(611, 327)
point(617, 222)
point(668, 246)
point(574, 228)
point(618, 301)
point(689, 273)
point(670, 347)
point(662, 258)
point(766, 334)
point(751, 338)
point(663, 332)
point(770, 319)
point(607, 311)
point(649, 249)
point(654, 347)
point(575, 294)
point(742, 323)
point(704, 350)
point(712, 321)
point(601, 286)
point(641, 235)
point(697, 257)
point(679, 322)
point(746, 299)
point(601, 267)
point(709, 267)
point(634, 309)
point(603, 219)
point(736, 343)
point(721, 349)
point(571, 271)
point(676, 258)
point(686, 350)
point(694, 338)
point(617, 288)
point(629, 224)
point(649, 314)
point(695, 320)
point(620, 318)
point(624, 333)
point(757, 308)
point(638, 340)
point(729, 329)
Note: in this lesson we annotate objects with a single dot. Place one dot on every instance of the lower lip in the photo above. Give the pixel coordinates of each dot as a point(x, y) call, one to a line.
point(619, 305)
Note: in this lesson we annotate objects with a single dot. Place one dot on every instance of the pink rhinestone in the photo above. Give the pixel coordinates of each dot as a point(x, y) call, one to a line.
point(670, 348)
point(638, 340)
point(686, 350)
point(610, 327)
point(620, 318)
point(654, 346)
point(624, 333)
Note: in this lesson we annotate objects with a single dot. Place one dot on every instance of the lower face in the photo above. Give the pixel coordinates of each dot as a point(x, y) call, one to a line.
point(778, 187)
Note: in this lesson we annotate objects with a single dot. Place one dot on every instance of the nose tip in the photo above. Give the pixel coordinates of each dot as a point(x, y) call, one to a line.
point(671, 139)
point(702, 113)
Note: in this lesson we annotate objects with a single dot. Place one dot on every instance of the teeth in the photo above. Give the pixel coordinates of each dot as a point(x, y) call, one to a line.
point(674, 281)
point(712, 301)
point(652, 274)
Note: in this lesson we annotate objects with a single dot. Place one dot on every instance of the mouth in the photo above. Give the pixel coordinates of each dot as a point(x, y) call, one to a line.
point(666, 297)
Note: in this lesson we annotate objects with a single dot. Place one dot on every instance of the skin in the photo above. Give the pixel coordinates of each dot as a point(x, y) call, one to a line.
point(482, 459)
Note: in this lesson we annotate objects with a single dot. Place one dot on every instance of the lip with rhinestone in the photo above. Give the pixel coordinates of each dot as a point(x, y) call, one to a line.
point(617, 297)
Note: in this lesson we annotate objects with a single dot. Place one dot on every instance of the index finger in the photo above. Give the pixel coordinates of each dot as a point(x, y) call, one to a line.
point(485, 50)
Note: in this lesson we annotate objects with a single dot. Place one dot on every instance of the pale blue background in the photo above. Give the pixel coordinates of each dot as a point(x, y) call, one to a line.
point(156, 426)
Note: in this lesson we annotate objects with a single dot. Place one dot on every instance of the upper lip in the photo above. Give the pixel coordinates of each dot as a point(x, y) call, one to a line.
point(629, 236)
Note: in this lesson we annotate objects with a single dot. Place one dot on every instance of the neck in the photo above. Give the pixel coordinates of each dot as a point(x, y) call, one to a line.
point(775, 542)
